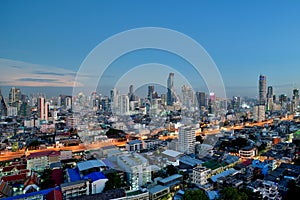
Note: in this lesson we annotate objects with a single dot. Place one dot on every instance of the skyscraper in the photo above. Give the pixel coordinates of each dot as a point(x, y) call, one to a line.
point(150, 92)
point(201, 99)
point(296, 98)
point(188, 96)
point(262, 89)
point(170, 92)
point(270, 100)
point(270, 92)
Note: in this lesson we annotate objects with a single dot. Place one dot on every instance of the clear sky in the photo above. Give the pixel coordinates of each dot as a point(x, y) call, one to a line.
point(244, 38)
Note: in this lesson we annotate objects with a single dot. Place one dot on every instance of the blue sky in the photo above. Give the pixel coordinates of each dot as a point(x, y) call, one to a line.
point(244, 38)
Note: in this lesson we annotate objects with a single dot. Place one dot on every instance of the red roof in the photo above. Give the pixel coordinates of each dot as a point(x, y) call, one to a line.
point(43, 154)
point(54, 195)
point(57, 176)
point(23, 171)
point(19, 167)
point(17, 177)
point(8, 169)
point(247, 162)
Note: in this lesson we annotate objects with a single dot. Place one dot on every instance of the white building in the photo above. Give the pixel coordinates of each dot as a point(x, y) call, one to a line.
point(200, 175)
point(186, 139)
point(12, 111)
point(137, 168)
point(123, 105)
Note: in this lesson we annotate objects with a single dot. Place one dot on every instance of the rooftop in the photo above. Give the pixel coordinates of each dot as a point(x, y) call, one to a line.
point(172, 153)
point(157, 188)
point(90, 164)
point(223, 174)
point(134, 142)
point(170, 178)
point(43, 154)
point(94, 176)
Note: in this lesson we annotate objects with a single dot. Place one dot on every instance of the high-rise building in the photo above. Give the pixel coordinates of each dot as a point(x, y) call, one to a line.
point(188, 97)
point(14, 96)
point(186, 139)
point(270, 92)
point(201, 99)
point(262, 90)
point(150, 92)
point(296, 98)
point(283, 100)
point(41, 108)
point(3, 107)
point(270, 101)
point(14, 99)
point(259, 113)
point(123, 105)
point(170, 90)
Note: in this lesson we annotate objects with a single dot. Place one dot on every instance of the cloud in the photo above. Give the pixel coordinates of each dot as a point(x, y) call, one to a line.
point(18, 73)
point(37, 80)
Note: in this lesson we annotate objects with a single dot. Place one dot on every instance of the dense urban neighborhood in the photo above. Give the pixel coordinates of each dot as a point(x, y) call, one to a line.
point(164, 146)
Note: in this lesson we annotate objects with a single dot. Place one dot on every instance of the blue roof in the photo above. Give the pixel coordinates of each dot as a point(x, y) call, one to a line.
point(213, 195)
point(171, 178)
point(94, 176)
point(74, 175)
point(108, 163)
point(223, 174)
point(23, 196)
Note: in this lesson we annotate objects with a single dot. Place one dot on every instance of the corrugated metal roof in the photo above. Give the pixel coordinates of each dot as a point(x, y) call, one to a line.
point(90, 164)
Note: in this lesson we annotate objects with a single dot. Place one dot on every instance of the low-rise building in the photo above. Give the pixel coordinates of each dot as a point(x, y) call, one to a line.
point(248, 152)
point(200, 175)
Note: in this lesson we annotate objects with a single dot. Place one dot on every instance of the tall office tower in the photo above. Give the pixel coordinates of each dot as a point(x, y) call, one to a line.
point(123, 105)
point(201, 98)
point(3, 107)
point(131, 89)
point(270, 92)
point(170, 92)
point(114, 99)
point(186, 139)
point(130, 93)
point(236, 103)
point(296, 98)
point(163, 99)
point(150, 92)
point(283, 100)
point(46, 112)
point(188, 98)
point(262, 89)
point(212, 103)
point(41, 108)
point(14, 99)
point(14, 96)
point(270, 100)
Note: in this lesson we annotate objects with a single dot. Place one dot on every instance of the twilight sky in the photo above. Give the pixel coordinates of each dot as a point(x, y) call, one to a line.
point(43, 43)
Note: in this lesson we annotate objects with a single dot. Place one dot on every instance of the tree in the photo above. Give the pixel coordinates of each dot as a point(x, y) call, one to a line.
point(171, 170)
point(194, 195)
point(293, 190)
point(230, 193)
point(251, 195)
point(114, 181)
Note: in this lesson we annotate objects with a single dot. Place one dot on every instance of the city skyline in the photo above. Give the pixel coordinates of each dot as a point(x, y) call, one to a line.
point(243, 39)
